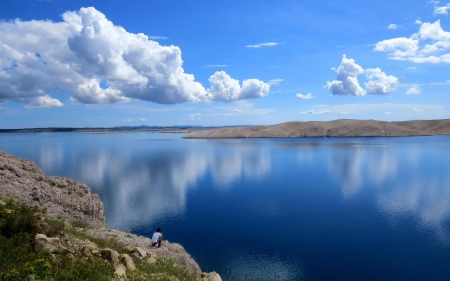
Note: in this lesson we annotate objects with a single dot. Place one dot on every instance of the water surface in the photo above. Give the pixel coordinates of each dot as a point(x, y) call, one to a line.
point(270, 209)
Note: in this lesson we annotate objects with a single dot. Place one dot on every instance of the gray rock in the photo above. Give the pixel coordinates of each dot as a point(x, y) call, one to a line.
point(141, 252)
point(111, 256)
point(151, 260)
point(50, 244)
point(120, 270)
point(128, 261)
point(212, 276)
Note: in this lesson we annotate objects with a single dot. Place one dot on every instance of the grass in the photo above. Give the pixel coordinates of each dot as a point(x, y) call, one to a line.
point(20, 262)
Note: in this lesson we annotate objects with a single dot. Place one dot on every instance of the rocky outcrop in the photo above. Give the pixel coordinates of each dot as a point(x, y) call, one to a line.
point(73, 200)
point(336, 128)
point(212, 276)
point(24, 181)
point(50, 244)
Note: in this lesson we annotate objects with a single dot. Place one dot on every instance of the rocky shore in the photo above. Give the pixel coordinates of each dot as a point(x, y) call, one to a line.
point(73, 201)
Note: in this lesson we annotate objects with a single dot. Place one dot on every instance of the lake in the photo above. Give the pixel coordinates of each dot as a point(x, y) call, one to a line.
point(270, 209)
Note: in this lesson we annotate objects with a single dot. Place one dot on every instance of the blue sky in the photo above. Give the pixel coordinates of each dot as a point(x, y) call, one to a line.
point(115, 63)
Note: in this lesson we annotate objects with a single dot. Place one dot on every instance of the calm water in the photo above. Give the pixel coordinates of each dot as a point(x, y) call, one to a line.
point(270, 209)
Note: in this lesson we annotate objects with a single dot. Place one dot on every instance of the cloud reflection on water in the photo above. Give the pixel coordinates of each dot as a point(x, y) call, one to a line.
point(400, 190)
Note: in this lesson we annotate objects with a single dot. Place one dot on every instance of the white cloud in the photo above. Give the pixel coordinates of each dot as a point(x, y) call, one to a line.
point(319, 112)
point(418, 21)
point(412, 68)
point(224, 88)
point(142, 119)
point(425, 46)
point(392, 26)
point(417, 110)
point(414, 90)
point(387, 112)
point(128, 120)
point(43, 102)
point(268, 44)
point(275, 82)
point(307, 112)
point(96, 61)
point(196, 116)
point(441, 10)
point(308, 96)
point(385, 84)
point(347, 82)
point(237, 110)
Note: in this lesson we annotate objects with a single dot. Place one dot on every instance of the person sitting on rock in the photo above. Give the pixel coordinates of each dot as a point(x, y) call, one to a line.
point(157, 238)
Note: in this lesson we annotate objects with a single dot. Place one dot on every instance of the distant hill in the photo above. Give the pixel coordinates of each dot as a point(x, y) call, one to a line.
point(336, 128)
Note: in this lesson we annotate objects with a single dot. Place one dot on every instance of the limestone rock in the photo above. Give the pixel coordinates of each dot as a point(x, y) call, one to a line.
point(53, 245)
point(141, 252)
point(151, 260)
point(128, 261)
point(111, 255)
point(120, 270)
point(212, 276)
point(130, 249)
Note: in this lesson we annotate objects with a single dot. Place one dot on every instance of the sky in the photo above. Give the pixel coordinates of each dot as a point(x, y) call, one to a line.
point(107, 63)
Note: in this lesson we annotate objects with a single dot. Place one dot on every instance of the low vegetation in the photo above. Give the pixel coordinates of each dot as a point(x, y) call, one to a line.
point(19, 260)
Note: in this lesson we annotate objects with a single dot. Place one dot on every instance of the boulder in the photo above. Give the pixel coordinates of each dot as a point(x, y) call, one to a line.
point(130, 249)
point(50, 244)
point(141, 252)
point(212, 276)
point(2, 203)
point(111, 255)
point(120, 270)
point(128, 261)
point(151, 260)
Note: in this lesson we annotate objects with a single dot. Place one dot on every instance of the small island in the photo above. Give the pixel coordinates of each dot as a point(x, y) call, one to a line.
point(336, 128)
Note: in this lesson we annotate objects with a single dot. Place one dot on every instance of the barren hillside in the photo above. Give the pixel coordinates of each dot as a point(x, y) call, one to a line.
point(336, 128)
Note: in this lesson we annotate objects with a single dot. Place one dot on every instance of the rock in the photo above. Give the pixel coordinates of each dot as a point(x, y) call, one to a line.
point(151, 260)
point(141, 252)
point(111, 255)
point(120, 270)
point(130, 249)
point(25, 182)
point(128, 261)
point(212, 276)
point(2, 203)
point(43, 227)
point(52, 245)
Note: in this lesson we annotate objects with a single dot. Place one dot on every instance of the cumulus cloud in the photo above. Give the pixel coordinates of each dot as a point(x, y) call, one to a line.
point(96, 61)
point(347, 81)
point(268, 44)
point(308, 96)
point(392, 26)
point(383, 85)
point(44, 102)
point(226, 89)
point(414, 90)
point(428, 45)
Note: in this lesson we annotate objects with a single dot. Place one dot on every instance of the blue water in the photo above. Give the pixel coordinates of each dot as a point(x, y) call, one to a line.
point(270, 209)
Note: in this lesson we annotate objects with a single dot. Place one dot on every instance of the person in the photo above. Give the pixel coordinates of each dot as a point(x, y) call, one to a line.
point(157, 238)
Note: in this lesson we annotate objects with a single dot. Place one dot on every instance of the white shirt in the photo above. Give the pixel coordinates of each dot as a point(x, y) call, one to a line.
point(156, 236)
